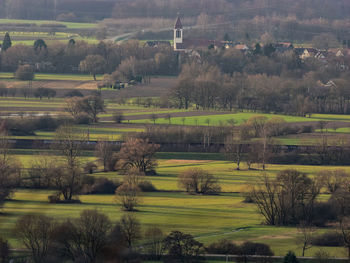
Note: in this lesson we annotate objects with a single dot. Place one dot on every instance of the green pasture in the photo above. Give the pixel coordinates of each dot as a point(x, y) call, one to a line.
point(231, 180)
point(51, 76)
point(145, 112)
point(41, 22)
point(222, 119)
point(208, 218)
point(331, 117)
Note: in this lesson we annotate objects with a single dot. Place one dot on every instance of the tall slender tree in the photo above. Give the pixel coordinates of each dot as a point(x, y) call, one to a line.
point(7, 43)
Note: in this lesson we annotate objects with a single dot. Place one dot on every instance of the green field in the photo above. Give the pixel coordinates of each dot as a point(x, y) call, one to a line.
point(222, 119)
point(208, 218)
point(41, 22)
point(43, 76)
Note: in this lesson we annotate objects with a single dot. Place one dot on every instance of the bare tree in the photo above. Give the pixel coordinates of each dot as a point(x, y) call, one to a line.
point(306, 234)
point(128, 196)
point(36, 233)
point(92, 105)
point(198, 181)
point(10, 170)
point(40, 172)
point(334, 180)
point(154, 118)
point(93, 64)
point(154, 236)
point(104, 152)
point(85, 238)
point(138, 153)
point(234, 150)
point(344, 224)
point(4, 250)
point(131, 229)
point(69, 143)
point(72, 106)
point(287, 199)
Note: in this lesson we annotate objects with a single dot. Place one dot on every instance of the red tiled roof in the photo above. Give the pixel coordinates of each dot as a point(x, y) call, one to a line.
point(178, 24)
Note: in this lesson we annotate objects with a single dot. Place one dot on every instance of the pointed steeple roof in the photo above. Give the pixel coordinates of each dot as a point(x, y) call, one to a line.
point(178, 24)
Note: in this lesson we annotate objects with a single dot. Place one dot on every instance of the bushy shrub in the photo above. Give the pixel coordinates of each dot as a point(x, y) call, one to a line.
point(4, 250)
point(90, 168)
point(147, 186)
point(118, 117)
point(223, 246)
point(28, 125)
point(104, 186)
point(24, 72)
point(251, 248)
point(323, 213)
point(83, 119)
point(329, 239)
point(198, 181)
point(54, 199)
point(74, 93)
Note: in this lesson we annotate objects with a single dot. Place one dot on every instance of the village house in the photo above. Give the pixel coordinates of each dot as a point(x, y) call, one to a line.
point(186, 45)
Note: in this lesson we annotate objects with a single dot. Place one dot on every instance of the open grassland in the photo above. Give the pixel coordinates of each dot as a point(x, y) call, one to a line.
point(222, 119)
point(208, 218)
point(231, 180)
point(48, 22)
point(51, 76)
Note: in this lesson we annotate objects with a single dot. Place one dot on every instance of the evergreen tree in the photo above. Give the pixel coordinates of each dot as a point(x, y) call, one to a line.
point(257, 50)
point(7, 42)
point(39, 44)
point(290, 258)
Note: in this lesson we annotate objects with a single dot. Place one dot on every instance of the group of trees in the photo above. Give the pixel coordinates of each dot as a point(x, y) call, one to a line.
point(92, 237)
point(85, 109)
point(10, 169)
point(127, 61)
point(292, 199)
point(279, 83)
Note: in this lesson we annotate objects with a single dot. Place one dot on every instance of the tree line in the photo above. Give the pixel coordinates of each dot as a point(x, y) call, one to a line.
point(230, 80)
point(129, 60)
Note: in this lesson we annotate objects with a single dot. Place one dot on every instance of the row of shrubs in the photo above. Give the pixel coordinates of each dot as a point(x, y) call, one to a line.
point(102, 185)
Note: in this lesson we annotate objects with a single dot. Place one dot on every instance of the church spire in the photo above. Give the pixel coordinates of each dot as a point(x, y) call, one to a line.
point(178, 24)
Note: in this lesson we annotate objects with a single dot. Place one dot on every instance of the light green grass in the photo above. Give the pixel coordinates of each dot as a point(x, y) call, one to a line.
point(215, 120)
point(331, 117)
point(49, 76)
point(40, 22)
point(208, 218)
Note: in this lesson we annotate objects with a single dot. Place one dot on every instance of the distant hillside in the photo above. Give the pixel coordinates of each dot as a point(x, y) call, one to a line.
point(297, 21)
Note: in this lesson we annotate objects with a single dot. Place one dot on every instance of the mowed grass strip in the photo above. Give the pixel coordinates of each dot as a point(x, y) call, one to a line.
point(222, 119)
point(41, 22)
point(51, 76)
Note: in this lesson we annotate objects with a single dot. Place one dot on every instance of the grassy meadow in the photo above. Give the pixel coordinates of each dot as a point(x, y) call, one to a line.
point(51, 76)
point(48, 22)
point(208, 218)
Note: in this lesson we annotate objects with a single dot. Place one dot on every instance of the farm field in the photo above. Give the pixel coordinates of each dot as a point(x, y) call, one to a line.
point(41, 22)
point(50, 76)
point(208, 218)
point(222, 119)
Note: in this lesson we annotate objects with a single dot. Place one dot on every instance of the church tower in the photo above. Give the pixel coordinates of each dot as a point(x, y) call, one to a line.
point(178, 35)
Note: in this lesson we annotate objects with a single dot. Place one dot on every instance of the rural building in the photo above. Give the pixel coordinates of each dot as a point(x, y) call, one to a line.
point(184, 44)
